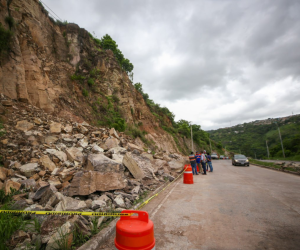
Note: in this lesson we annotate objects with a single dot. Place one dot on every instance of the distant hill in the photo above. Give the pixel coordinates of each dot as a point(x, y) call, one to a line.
point(250, 138)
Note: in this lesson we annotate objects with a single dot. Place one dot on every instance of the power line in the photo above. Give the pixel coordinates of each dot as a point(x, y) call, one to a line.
point(52, 11)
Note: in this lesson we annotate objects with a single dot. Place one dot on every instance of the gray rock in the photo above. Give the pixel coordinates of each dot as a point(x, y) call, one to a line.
point(29, 169)
point(119, 201)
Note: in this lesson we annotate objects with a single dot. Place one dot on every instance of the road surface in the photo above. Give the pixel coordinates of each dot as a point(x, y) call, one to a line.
point(231, 208)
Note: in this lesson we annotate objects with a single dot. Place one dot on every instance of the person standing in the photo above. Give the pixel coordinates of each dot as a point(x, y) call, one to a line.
point(206, 165)
point(198, 161)
point(192, 159)
point(203, 162)
point(209, 162)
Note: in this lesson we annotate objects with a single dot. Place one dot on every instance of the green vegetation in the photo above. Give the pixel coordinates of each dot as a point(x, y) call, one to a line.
point(5, 40)
point(141, 198)
point(250, 138)
point(271, 165)
point(10, 223)
point(91, 82)
point(85, 93)
point(77, 77)
point(112, 116)
point(106, 42)
point(10, 21)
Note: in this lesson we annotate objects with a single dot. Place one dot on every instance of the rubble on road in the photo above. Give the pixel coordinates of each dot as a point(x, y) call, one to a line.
point(70, 166)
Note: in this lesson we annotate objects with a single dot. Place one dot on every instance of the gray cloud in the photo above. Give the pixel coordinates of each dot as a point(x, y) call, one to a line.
point(241, 55)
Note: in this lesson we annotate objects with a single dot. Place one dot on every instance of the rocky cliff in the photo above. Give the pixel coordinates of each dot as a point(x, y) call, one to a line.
point(62, 70)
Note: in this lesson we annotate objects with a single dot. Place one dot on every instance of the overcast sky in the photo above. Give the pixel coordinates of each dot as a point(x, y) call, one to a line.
point(212, 62)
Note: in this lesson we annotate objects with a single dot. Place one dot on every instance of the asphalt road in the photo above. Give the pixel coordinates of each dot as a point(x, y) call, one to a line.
point(231, 208)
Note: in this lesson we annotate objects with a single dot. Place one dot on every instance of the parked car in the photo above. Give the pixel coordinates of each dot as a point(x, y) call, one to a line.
point(240, 160)
point(222, 157)
point(214, 156)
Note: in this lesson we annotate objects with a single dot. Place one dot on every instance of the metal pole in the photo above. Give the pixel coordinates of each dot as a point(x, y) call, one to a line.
point(192, 138)
point(268, 150)
point(280, 141)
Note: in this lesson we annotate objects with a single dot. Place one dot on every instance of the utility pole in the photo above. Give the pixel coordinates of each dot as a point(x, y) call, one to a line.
point(210, 146)
point(268, 150)
point(280, 140)
point(192, 137)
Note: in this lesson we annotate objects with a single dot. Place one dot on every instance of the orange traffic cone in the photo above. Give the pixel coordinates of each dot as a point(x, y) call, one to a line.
point(188, 176)
point(135, 232)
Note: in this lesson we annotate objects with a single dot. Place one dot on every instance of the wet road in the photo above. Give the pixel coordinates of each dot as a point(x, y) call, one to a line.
point(231, 208)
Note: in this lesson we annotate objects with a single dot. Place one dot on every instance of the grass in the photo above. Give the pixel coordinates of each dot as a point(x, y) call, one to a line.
point(270, 164)
point(62, 241)
point(141, 197)
point(78, 237)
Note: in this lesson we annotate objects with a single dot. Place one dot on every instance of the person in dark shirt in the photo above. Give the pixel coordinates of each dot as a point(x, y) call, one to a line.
point(208, 157)
point(193, 163)
point(198, 161)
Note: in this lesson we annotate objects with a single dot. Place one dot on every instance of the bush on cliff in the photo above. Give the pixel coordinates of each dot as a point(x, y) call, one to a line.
point(5, 40)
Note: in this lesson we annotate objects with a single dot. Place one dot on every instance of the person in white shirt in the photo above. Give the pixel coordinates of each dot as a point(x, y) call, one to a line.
point(203, 162)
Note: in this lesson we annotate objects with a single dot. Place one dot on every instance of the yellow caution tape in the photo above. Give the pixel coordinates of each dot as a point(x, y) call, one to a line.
point(153, 196)
point(86, 213)
point(63, 213)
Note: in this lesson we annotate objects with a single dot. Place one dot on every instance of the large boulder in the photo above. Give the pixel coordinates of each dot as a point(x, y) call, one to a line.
point(75, 154)
point(132, 166)
point(85, 183)
point(111, 143)
point(101, 163)
point(29, 169)
point(176, 165)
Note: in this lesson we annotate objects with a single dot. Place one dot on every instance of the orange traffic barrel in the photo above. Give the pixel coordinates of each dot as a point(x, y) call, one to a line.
point(188, 175)
point(135, 232)
point(198, 171)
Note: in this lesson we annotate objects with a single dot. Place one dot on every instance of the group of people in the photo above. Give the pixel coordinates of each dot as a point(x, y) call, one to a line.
point(202, 160)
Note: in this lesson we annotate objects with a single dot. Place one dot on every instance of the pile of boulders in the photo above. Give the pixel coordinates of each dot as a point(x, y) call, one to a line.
point(71, 166)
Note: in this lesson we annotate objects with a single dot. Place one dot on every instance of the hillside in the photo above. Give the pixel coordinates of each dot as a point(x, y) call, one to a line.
point(250, 138)
point(64, 70)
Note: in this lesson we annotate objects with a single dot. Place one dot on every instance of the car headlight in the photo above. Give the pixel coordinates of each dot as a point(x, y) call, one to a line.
point(247, 160)
point(237, 160)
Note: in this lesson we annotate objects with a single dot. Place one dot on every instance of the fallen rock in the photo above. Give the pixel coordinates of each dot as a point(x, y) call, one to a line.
point(101, 163)
point(70, 204)
point(132, 166)
point(24, 125)
point(176, 165)
point(132, 147)
point(98, 204)
point(74, 154)
point(47, 163)
point(3, 174)
point(113, 133)
point(11, 184)
point(92, 181)
point(55, 128)
point(119, 201)
point(111, 143)
point(64, 233)
point(29, 169)
point(96, 149)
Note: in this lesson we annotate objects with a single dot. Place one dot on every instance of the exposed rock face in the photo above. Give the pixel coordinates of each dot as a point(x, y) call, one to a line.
point(29, 169)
